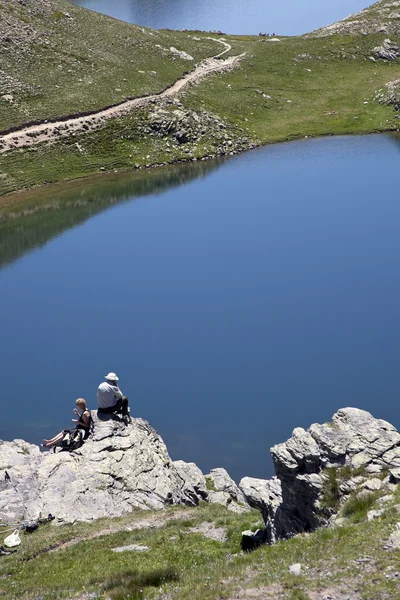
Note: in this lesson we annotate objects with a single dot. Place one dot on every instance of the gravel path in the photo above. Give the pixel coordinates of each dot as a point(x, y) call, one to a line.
point(52, 131)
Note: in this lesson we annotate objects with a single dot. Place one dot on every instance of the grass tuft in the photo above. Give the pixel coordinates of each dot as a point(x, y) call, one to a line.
point(330, 490)
point(356, 507)
point(131, 583)
point(210, 484)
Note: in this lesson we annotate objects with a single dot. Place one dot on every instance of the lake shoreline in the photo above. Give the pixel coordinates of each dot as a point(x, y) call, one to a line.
point(9, 200)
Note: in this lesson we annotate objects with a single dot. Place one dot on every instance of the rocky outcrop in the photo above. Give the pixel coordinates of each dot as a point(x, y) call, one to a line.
point(117, 469)
point(390, 95)
point(387, 51)
point(123, 467)
point(311, 461)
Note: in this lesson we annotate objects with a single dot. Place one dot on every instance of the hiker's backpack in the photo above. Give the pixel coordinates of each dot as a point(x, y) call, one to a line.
point(72, 440)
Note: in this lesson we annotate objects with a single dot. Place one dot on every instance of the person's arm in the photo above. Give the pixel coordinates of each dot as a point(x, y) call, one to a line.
point(86, 418)
point(117, 393)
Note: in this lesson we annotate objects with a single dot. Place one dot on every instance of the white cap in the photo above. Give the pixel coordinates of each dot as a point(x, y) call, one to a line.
point(112, 377)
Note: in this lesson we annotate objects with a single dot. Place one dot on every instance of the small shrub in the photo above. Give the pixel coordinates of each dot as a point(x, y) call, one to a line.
point(330, 490)
point(347, 472)
point(210, 484)
point(357, 507)
point(298, 594)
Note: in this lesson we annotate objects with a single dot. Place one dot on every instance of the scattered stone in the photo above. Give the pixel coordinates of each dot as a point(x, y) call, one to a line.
point(374, 514)
point(373, 485)
point(393, 543)
point(296, 569)
point(210, 531)
point(131, 548)
point(385, 499)
point(181, 54)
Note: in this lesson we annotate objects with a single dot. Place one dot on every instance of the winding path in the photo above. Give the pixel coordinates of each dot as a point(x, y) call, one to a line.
point(54, 130)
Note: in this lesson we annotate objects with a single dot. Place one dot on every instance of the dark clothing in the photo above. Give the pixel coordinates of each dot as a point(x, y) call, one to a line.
point(121, 406)
point(81, 425)
point(86, 428)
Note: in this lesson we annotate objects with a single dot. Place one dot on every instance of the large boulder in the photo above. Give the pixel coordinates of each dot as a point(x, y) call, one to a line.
point(193, 481)
point(221, 481)
point(266, 496)
point(119, 468)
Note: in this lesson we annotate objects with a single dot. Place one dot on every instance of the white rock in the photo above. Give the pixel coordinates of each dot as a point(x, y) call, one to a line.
point(374, 514)
point(181, 54)
point(131, 548)
point(295, 569)
point(222, 482)
point(373, 485)
point(194, 482)
point(385, 499)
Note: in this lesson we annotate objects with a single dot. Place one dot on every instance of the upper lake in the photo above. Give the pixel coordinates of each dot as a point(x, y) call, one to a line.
point(235, 299)
point(290, 17)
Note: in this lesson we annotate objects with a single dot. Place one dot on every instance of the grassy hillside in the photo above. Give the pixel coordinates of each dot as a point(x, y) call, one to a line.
point(58, 59)
point(195, 553)
point(321, 84)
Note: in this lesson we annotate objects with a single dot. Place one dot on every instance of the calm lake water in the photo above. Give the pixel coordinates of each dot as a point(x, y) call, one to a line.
point(236, 300)
point(290, 17)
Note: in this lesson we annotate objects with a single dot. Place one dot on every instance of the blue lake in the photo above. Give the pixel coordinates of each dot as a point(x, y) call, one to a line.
point(290, 17)
point(239, 300)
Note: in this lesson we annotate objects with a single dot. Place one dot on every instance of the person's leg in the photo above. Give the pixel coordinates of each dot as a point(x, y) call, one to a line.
point(124, 406)
point(54, 440)
point(106, 411)
point(117, 408)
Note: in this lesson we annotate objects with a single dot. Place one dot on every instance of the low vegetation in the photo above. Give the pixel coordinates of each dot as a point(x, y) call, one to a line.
point(357, 506)
point(177, 561)
point(58, 59)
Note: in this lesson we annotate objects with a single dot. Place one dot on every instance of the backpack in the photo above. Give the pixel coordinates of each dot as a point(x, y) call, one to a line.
point(72, 440)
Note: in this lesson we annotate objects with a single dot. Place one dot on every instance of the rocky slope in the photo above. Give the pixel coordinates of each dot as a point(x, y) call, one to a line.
point(381, 17)
point(124, 467)
point(117, 469)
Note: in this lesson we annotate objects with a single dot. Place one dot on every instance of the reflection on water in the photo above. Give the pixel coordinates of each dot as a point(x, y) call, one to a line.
point(47, 213)
point(289, 17)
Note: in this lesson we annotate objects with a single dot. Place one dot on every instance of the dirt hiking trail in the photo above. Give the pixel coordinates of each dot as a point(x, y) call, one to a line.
point(52, 131)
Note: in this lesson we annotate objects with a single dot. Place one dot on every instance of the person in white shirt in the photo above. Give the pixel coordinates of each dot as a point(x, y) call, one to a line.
point(110, 398)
